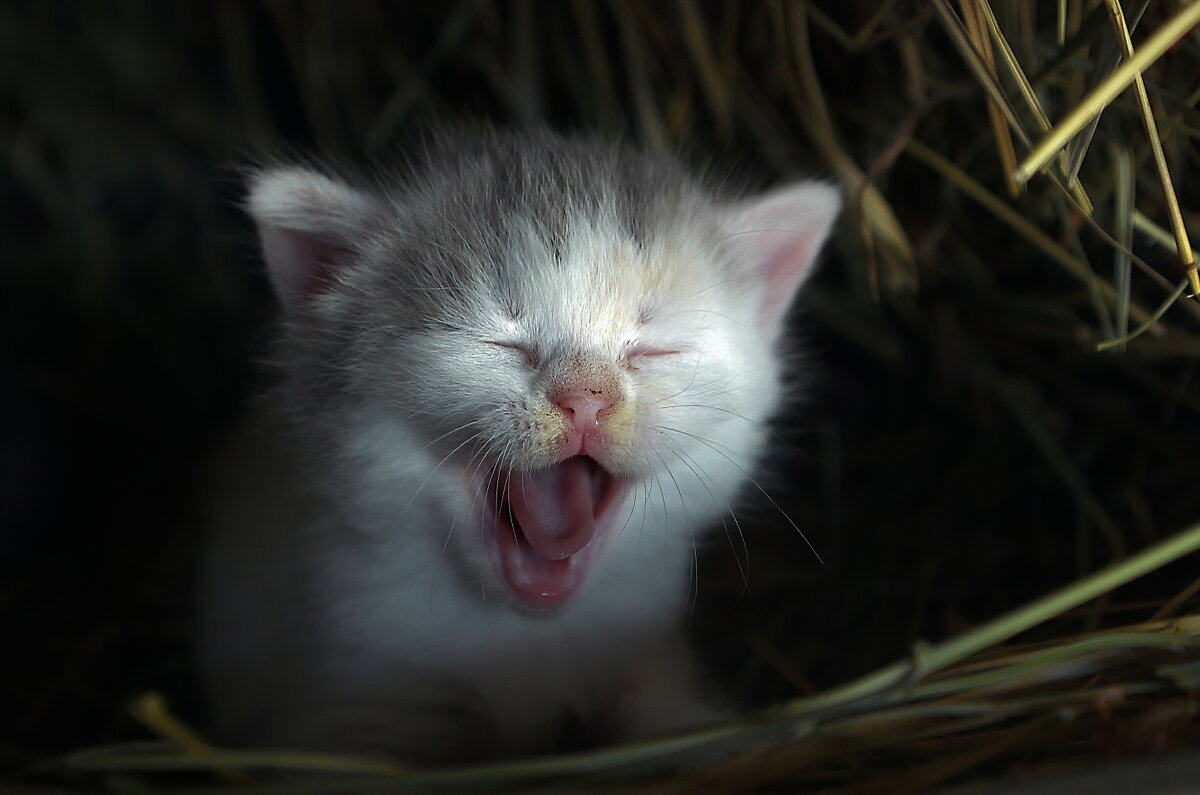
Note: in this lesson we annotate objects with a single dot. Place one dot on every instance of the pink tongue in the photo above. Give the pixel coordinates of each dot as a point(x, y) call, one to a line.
point(555, 507)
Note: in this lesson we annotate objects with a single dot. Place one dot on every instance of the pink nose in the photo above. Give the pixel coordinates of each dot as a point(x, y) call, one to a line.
point(583, 407)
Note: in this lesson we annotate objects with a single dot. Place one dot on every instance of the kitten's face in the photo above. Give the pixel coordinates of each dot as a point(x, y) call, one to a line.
point(560, 399)
point(566, 362)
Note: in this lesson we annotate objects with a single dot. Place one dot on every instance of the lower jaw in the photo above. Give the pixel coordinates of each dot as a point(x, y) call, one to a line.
point(537, 582)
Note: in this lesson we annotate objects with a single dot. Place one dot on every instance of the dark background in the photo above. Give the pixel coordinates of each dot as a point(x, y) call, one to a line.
point(961, 449)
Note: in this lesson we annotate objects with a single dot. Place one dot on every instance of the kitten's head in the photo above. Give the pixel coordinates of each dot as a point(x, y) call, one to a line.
point(538, 337)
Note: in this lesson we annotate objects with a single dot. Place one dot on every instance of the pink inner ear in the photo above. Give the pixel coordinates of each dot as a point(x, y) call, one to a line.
point(307, 223)
point(299, 263)
point(779, 236)
point(784, 269)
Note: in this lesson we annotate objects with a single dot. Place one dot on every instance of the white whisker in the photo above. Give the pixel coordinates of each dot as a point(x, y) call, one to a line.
point(717, 448)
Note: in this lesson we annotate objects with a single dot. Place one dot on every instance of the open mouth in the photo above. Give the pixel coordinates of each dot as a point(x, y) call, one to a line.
point(549, 524)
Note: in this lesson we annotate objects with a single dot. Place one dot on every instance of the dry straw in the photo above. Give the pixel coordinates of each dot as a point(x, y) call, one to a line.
point(1094, 103)
point(941, 692)
point(997, 102)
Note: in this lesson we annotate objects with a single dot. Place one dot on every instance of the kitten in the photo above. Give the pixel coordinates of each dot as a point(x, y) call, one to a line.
point(518, 384)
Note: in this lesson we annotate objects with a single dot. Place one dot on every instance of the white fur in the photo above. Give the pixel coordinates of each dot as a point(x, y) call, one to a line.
point(349, 603)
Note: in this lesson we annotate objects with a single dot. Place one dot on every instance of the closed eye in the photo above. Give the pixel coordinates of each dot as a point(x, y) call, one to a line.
point(528, 353)
point(647, 352)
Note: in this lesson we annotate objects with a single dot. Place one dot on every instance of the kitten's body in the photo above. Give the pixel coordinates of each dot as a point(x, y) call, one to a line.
point(518, 384)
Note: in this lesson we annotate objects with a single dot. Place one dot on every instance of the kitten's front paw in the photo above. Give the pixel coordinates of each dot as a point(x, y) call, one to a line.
point(659, 717)
point(663, 697)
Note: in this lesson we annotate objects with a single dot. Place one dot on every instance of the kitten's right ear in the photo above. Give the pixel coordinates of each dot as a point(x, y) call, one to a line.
point(308, 224)
point(778, 236)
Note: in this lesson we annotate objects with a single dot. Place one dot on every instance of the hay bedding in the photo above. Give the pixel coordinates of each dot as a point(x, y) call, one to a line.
point(1006, 353)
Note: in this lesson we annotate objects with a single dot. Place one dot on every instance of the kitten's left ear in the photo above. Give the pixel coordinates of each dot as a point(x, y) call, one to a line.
point(309, 225)
point(777, 237)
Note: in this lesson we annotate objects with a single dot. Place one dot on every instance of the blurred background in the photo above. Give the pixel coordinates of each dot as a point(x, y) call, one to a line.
point(962, 446)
